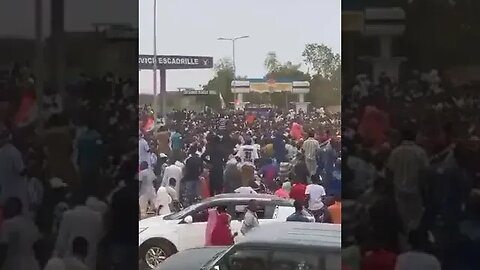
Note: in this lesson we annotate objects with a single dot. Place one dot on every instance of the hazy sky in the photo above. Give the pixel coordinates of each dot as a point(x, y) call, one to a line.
point(191, 27)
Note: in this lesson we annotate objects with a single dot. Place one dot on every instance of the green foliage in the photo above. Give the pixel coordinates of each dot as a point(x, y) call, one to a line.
point(224, 66)
point(325, 86)
point(221, 83)
point(271, 62)
point(287, 70)
point(323, 92)
point(321, 59)
point(336, 79)
point(278, 70)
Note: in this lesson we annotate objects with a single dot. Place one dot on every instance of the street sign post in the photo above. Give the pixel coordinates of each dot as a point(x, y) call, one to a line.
point(164, 62)
point(175, 62)
point(194, 92)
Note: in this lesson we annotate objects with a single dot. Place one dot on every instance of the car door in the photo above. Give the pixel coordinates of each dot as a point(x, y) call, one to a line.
point(242, 258)
point(266, 212)
point(192, 235)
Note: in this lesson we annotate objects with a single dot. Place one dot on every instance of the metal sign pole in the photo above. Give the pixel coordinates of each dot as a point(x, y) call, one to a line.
point(58, 53)
point(163, 91)
point(162, 63)
point(39, 75)
point(155, 98)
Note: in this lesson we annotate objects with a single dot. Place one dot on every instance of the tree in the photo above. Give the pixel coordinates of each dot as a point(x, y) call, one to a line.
point(224, 65)
point(221, 82)
point(321, 59)
point(287, 70)
point(323, 92)
point(280, 71)
point(271, 62)
point(325, 85)
point(336, 79)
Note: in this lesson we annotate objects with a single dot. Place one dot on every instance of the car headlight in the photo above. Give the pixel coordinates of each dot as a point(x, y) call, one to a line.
point(140, 230)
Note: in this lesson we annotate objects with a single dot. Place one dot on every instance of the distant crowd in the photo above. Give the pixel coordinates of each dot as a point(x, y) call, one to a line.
point(68, 161)
point(411, 177)
point(195, 155)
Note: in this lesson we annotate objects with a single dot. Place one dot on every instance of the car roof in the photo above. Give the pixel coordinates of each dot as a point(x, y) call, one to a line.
point(191, 258)
point(295, 234)
point(245, 197)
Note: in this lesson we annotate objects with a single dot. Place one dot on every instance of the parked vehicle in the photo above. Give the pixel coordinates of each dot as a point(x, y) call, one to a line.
point(163, 236)
point(193, 258)
point(290, 245)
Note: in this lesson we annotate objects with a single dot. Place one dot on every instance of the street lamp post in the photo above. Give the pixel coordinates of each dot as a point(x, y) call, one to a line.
point(233, 51)
point(39, 51)
point(155, 98)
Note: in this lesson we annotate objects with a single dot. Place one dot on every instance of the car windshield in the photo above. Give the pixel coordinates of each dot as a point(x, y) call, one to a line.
point(181, 213)
point(205, 266)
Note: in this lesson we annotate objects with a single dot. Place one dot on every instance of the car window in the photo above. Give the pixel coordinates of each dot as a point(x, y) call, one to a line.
point(237, 210)
point(254, 258)
point(292, 260)
point(200, 215)
point(269, 211)
point(333, 261)
point(251, 259)
point(182, 213)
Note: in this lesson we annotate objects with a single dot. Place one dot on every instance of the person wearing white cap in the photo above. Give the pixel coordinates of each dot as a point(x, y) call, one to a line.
point(159, 169)
point(173, 170)
point(146, 176)
point(81, 221)
point(96, 205)
point(162, 201)
point(18, 236)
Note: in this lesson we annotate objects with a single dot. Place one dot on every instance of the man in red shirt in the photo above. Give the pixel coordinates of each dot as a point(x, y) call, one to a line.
point(297, 192)
point(250, 119)
point(379, 258)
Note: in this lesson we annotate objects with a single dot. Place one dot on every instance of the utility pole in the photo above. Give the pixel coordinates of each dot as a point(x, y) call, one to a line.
point(39, 60)
point(155, 97)
point(58, 50)
point(233, 52)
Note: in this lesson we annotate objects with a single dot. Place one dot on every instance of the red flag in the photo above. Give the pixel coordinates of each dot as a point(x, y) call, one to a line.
point(149, 123)
point(27, 112)
point(296, 131)
point(251, 118)
point(374, 125)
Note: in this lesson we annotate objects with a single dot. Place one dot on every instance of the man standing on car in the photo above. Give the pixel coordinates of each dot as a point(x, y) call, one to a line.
point(250, 220)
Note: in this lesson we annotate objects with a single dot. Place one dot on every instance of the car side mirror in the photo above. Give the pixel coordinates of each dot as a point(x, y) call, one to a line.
point(188, 219)
point(216, 267)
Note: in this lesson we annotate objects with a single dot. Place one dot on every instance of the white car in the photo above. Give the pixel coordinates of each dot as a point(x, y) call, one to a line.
point(163, 236)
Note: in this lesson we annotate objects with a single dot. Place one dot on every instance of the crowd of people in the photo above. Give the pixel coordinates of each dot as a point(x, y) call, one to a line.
point(411, 175)
point(68, 162)
point(195, 155)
